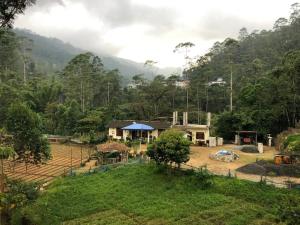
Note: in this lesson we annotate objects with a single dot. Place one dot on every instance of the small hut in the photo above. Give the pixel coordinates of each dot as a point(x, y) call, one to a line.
point(112, 152)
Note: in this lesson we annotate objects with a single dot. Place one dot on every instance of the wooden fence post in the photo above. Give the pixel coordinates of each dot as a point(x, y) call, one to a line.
point(81, 156)
point(71, 160)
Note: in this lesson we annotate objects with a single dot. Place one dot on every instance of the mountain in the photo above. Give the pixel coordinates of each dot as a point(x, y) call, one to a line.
point(52, 54)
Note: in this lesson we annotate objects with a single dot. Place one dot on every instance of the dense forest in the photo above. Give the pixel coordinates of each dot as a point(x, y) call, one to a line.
point(84, 96)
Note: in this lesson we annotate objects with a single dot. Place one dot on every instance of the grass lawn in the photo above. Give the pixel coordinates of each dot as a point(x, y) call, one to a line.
point(140, 194)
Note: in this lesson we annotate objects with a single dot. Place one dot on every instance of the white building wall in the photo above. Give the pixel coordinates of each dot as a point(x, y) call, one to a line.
point(112, 132)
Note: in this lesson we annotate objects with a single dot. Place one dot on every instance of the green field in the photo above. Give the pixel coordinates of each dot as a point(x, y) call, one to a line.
point(141, 194)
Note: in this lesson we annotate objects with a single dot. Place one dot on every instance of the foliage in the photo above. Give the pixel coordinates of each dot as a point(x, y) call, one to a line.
point(289, 211)
point(204, 178)
point(25, 125)
point(77, 95)
point(10, 8)
point(18, 194)
point(170, 147)
point(227, 123)
point(156, 198)
point(292, 143)
point(6, 152)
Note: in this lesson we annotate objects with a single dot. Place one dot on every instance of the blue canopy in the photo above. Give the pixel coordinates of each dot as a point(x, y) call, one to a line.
point(138, 126)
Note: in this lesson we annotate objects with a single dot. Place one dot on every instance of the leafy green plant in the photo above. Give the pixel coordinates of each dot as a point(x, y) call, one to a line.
point(170, 147)
point(204, 178)
point(18, 194)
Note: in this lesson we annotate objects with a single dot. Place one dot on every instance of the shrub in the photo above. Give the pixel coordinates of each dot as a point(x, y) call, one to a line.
point(170, 147)
point(19, 194)
point(289, 212)
point(294, 146)
point(204, 178)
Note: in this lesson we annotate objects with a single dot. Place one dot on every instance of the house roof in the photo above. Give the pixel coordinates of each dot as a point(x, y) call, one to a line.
point(138, 126)
point(112, 146)
point(154, 124)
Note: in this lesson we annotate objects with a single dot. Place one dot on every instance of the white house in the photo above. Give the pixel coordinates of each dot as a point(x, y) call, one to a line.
point(116, 131)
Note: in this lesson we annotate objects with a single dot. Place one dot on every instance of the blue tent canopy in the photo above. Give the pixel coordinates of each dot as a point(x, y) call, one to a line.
point(138, 126)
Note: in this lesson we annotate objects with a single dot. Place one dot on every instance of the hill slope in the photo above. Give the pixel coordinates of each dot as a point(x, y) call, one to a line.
point(139, 194)
point(51, 54)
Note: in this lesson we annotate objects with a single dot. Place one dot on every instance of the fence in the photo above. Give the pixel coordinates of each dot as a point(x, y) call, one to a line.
point(66, 158)
point(269, 180)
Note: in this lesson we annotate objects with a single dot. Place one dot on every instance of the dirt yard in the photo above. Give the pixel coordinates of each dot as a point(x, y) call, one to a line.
point(200, 156)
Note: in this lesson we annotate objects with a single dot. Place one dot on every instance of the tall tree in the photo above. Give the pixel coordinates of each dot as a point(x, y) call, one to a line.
point(26, 128)
point(10, 8)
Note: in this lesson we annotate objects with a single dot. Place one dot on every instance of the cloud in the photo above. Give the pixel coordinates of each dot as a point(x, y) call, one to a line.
point(143, 29)
point(44, 5)
point(122, 13)
point(90, 39)
point(217, 25)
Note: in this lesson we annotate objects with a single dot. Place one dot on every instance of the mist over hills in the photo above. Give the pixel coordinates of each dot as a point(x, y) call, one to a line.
point(52, 54)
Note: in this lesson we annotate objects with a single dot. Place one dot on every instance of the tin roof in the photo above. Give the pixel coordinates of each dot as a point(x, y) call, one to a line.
point(154, 124)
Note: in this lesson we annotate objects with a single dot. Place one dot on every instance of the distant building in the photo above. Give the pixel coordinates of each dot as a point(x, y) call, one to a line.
point(197, 133)
point(117, 129)
point(149, 130)
point(182, 83)
point(219, 82)
point(131, 85)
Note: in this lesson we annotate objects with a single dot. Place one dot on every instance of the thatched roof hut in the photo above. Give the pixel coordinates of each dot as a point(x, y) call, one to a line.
point(112, 146)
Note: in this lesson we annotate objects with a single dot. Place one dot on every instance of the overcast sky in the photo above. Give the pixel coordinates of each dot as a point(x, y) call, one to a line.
point(143, 29)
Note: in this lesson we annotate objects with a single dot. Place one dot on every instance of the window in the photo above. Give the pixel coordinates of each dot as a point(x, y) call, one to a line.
point(200, 135)
point(119, 132)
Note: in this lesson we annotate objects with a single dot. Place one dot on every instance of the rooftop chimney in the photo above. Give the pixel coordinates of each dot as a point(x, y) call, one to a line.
point(208, 119)
point(185, 118)
point(175, 118)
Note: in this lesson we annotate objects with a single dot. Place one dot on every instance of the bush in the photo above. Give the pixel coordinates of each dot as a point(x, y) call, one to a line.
point(19, 194)
point(170, 147)
point(292, 143)
point(289, 212)
point(294, 146)
point(204, 178)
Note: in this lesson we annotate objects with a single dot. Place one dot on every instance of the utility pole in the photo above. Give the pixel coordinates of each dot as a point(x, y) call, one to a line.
point(24, 66)
point(198, 104)
point(81, 90)
point(187, 98)
point(108, 83)
point(231, 88)
point(206, 108)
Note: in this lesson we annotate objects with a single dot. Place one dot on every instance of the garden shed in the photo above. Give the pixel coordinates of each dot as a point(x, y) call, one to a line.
point(112, 152)
point(246, 137)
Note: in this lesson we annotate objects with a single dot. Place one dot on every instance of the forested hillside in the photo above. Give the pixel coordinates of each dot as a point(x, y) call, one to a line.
point(265, 68)
point(51, 55)
point(86, 93)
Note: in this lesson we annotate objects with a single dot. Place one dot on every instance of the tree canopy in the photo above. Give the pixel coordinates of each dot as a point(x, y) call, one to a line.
point(10, 8)
point(170, 147)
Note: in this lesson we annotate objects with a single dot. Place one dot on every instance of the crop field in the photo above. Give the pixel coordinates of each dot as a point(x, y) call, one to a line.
point(64, 157)
point(143, 194)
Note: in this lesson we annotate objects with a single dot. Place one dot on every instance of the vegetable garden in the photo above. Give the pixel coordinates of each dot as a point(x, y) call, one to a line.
point(65, 158)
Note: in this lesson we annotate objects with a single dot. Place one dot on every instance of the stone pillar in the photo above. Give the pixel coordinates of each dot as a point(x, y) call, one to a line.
point(212, 141)
point(237, 139)
point(219, 141)
point(260, 147)
point(269, 140)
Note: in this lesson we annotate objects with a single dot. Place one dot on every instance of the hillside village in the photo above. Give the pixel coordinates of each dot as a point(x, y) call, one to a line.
point(88, 136)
